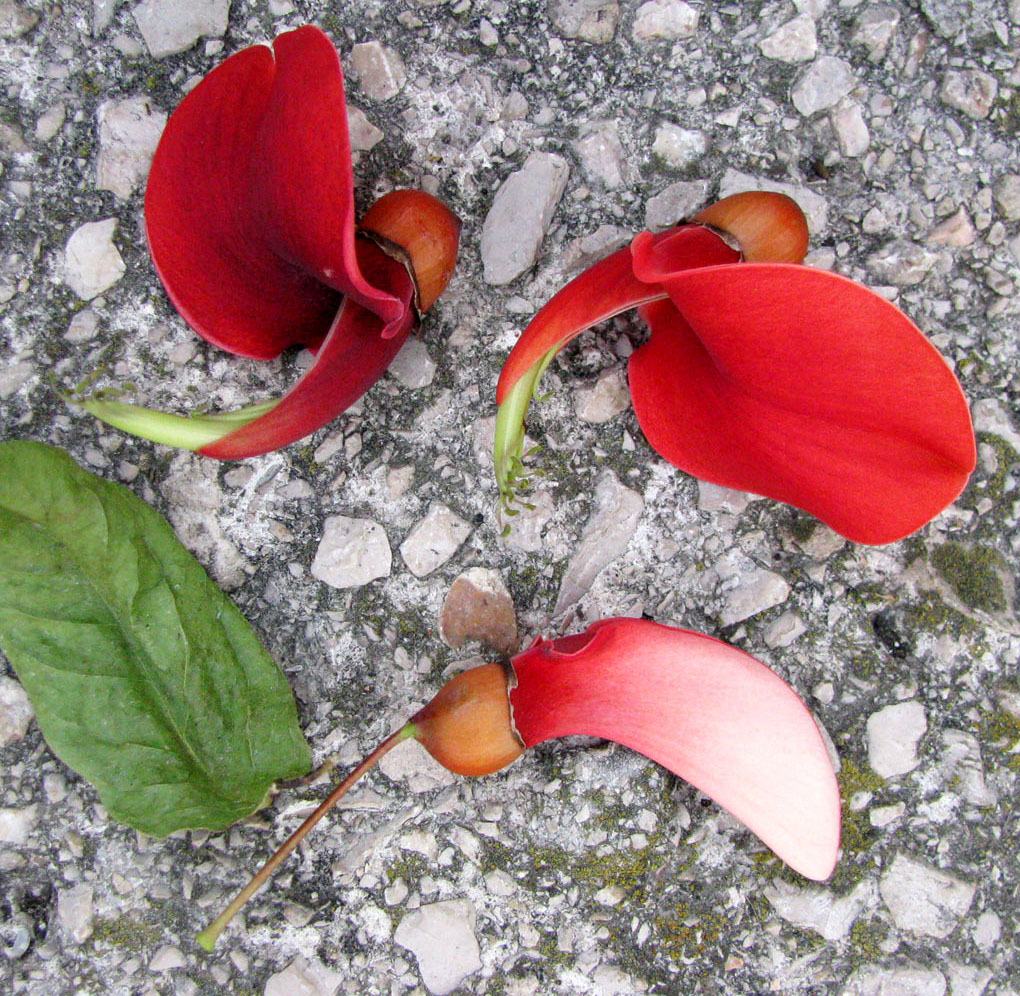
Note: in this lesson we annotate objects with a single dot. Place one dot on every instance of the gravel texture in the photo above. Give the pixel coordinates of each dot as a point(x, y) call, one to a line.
point(553, 129)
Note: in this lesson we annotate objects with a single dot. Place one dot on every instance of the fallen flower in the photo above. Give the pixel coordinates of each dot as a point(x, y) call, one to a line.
point(708, 712)
point(762, 374)
point(249, 211)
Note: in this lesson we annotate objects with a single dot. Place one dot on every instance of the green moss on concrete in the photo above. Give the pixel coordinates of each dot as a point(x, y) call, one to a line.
point(974, 574)
point(866, 937)
point(126, 933)
point(683, 934)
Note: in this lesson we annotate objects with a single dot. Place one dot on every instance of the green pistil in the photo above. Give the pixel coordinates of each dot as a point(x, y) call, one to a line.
point(512, 475)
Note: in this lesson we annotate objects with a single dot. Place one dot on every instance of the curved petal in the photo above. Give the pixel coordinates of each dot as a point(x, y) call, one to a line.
point(354, 355)
point(607, 288)
point(249, 205)
point(602, 291)
point(803, 386)
point(709, 712)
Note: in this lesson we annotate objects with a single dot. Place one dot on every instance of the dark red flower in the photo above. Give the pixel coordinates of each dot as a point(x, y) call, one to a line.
point(764, 375)
point(249, 211)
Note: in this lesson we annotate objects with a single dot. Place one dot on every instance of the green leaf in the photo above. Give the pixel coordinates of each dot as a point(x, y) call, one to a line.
point(145, 677)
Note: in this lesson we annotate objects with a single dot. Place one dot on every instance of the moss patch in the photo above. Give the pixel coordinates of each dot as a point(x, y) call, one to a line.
point(974, 574)
point(127, 933)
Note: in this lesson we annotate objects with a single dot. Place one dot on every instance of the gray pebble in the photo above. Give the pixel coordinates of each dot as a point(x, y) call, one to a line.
point(520, 215)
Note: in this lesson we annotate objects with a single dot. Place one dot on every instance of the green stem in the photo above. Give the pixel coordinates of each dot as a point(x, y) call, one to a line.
point(208, 936)
point(189, 432)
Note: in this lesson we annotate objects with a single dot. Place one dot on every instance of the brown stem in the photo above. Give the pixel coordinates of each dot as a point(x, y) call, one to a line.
point(208, 936)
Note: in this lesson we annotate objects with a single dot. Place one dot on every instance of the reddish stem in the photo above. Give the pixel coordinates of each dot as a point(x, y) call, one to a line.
point(208, 936)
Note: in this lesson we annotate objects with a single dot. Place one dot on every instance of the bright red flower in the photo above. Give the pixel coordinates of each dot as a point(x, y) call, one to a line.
point(249, 211)
point(764, 375)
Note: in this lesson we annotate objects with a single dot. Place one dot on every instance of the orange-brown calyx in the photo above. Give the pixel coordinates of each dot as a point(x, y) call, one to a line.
point(467, 727)
point(420, 231)
point(767, 227)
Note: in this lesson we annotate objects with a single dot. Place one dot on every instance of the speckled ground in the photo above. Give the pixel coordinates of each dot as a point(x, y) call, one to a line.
point(582, 869)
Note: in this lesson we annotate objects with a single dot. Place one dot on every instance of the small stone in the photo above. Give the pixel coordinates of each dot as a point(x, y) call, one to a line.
point(11, 139)
point(882, 816)
point(610, 895)
point(399, 481)
point(129, 132)
point(961, 767)
point(16, 711)
point(14, 377)
point(434, 540)
point(819, 909)
point(50, 122)
point(593, 21)
point(875, 28)
point(412, 764)
point(589, 249)
point(74, 911)
point(520, 215)
point(487, 34)
point(351, 553)
point(893, 735)
point(923, 899)
point(851, 131)
point(16, 21)
point(606, 399)
point(92, 263)
point(813, 8)
point(757, 591)
point(479, 607)
point(667, 19)
point(794, 41)
point(528, 526)
point(679, 146)
point(957, 231)
point(441, 937)
point(614, 519)
point(970, 91)
point(363, 134)
point(379, 70)
point(822, 85)
point(951, 17)
point(675, 203)
point(788, 628)
point(901, 263)
point(1007, 196)
point(987, 931)
point(304, 977)
point(601, 154)
point(17, 824)
point(716, 498)
point(168, 28)
point(515, 107)
point(991, 416)
point(967, 980)
point(874, 980)
point(412, 366)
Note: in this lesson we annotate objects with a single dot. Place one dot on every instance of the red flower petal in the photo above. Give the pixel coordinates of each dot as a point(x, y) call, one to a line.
point(709, 712)
point(803, 386)
point(605, 289)
point(354, 355)
point(249, 206)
